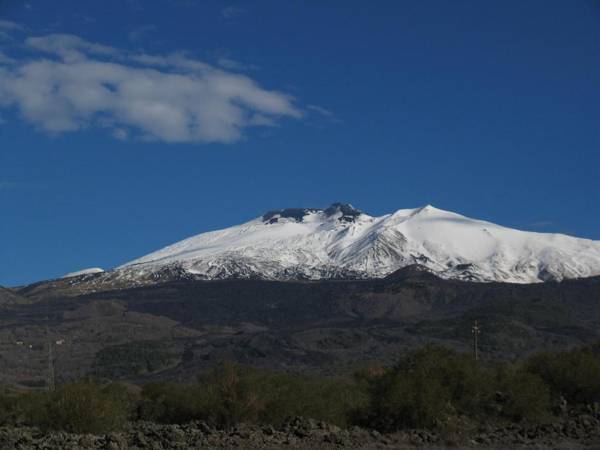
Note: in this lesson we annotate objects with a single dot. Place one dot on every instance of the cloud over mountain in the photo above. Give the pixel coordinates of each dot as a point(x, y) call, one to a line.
point(7, 27)
point(69, 84)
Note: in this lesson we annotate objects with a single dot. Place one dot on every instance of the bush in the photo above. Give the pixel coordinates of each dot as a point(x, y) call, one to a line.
point(224, 396)
point(398, 400)
point(327, 399)
point(426, 388)
point(169, 403)
point(10, 407)
point(230, 394)
point(240, 393)
point(574, 374)
point(430, 387)
point(79, 407)
point(525, 396)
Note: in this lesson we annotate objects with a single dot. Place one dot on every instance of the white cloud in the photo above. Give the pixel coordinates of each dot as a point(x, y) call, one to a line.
point(174, 60)
point(72, 84)
point(320, 110)
point(323, 112)
point(68, 47)
point(232, 64)
point(120, 134)
point(7, 27)
point(10, 26)
point(4, 59)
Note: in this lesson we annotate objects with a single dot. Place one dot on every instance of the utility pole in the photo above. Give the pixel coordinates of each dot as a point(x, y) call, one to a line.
point(475, 330)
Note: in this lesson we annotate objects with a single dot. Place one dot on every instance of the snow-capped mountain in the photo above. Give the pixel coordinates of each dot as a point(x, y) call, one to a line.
point(343, 242)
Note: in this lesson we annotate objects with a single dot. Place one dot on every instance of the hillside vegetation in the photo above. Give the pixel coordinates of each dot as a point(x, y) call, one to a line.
point(432, 387)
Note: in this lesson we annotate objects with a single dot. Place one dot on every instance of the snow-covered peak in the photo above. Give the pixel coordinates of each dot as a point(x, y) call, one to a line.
point(342, 241)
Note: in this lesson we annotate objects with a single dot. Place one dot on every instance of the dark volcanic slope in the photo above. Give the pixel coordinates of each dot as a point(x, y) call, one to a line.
point(175, 329)
point(8, 297)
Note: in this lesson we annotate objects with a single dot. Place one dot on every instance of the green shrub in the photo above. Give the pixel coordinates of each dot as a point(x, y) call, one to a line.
point(399, 401)
point(169, 403)
point(430, 387)
point(427, 387)
point(230, 394)
point(525, 396)
point(79, 407)
point(327, 399)
point(10, 408)
point(574, 374)
point(224, 396)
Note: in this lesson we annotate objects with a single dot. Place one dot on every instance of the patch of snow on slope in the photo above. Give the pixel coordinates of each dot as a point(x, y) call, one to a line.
point(90, 271)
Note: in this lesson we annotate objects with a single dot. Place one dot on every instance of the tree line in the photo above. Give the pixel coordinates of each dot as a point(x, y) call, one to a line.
point(432, 387)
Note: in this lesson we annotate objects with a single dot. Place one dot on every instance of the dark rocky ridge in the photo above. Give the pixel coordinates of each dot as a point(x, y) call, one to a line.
point(349, 213)
point(288, 213)
point(175, 329)
point(8, 296)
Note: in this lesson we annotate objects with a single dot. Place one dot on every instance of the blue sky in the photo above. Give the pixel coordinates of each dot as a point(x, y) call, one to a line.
point(128, 125)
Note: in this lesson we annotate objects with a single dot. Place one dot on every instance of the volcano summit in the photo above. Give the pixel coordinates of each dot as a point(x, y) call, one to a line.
point(344, 242)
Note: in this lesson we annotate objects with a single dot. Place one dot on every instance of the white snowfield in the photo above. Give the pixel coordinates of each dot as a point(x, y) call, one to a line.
point(344, 242)
point(90, 271)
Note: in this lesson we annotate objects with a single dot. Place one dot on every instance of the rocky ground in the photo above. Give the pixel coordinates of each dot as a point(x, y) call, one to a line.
point(582, 431)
